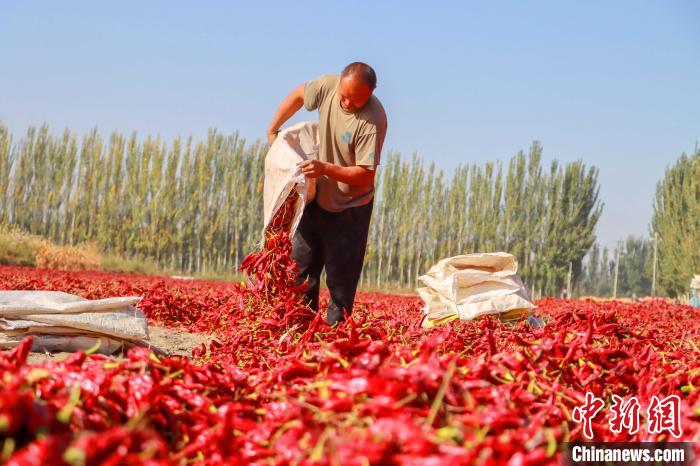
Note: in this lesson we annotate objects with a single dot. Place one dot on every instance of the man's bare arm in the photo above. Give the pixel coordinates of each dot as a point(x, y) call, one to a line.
point(289, 106)
point(354, 176)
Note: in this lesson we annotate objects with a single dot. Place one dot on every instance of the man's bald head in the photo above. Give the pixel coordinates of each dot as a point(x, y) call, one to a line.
point(362, 72)
point(357, 82)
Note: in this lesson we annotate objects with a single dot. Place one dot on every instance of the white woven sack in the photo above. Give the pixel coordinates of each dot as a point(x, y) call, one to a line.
point(282, 175)
point(473, 285)
point(110, 316)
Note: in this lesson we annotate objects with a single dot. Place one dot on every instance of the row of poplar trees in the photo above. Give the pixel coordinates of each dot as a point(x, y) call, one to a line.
point(546, 217)
point(674, 230)
point(189, 206)
point(676, 222)
point(634, 272)
point(196, 206)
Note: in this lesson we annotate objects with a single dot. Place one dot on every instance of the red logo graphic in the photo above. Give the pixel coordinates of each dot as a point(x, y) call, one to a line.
point(662, 415)
point(587, 412)
point(665, 415)
point(625, 414)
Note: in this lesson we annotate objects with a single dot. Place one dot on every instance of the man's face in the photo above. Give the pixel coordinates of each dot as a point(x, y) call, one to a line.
point(353, 93)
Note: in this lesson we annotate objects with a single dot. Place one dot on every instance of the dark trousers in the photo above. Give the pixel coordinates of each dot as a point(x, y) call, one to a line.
point(336, 240)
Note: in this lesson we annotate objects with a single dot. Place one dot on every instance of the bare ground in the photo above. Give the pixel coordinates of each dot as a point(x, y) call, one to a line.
point(171, 341)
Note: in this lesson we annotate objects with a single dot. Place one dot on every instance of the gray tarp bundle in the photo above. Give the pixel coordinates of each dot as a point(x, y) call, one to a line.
point(60, 321)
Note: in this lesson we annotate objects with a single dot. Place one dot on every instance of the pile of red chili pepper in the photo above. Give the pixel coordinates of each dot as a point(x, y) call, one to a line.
point(278, 386)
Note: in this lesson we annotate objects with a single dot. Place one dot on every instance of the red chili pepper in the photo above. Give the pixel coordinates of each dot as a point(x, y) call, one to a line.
point(279, 386)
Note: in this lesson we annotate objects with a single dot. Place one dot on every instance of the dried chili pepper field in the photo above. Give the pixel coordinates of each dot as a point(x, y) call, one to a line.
point(278, 386)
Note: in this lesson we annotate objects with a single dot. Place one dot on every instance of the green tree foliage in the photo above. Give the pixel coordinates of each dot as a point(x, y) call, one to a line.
point(634, 272)
point(676, 220)
point(634, 276)
point(547, 221)
point(197, 206)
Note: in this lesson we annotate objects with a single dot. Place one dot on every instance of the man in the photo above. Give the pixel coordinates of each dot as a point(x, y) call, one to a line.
point(333, 229)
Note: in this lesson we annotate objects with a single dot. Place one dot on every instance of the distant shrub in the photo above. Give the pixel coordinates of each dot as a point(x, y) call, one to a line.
point(85, 257)
point(18, 247)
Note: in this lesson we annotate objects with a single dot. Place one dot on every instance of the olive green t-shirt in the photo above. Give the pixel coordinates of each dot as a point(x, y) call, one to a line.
point(346, 139)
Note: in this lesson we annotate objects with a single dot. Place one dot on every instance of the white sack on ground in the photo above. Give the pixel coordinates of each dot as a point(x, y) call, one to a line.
point(469, 286)
point(695, 283)
point(127, 323)
point(14, 302)
point(293, 145)
point(109, 316)
point(61, 321)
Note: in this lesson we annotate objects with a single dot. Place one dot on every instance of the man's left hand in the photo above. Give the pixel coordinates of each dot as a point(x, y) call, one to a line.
point(312, 168)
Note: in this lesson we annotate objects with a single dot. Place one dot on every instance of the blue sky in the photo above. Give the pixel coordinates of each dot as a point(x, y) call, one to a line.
point(612, 83)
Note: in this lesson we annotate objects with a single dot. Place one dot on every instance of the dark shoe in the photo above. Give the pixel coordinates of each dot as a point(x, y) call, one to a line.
point(535, 322)
point(335, 315)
